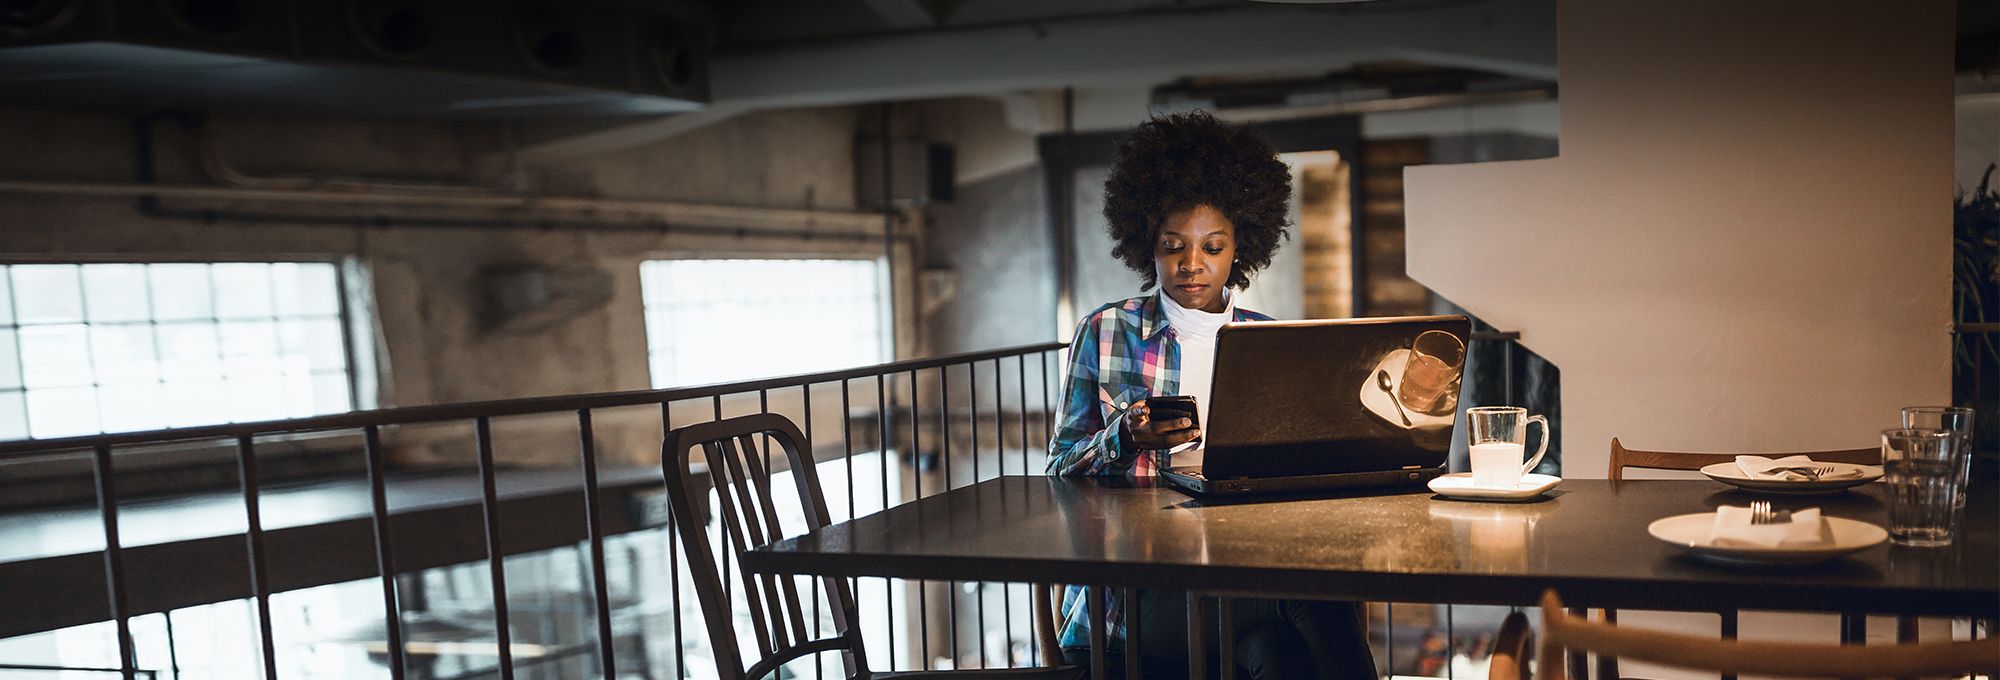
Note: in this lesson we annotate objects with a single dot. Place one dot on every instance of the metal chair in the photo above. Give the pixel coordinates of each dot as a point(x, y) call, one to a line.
point(1562, 631)
point(749, 518)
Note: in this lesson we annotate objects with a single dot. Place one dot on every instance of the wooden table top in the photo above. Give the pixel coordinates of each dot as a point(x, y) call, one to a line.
point(1588, 540)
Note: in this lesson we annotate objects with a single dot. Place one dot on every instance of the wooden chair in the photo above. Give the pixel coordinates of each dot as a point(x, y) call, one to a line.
point(1621, 458)
point(749, 518)
point(1562, 631)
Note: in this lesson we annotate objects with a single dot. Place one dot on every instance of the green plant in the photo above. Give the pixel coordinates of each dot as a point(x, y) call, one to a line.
point(1975, 294)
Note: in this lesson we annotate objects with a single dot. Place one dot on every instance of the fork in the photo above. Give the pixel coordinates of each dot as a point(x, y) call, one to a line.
point(1812, 473)
point(1761, 513)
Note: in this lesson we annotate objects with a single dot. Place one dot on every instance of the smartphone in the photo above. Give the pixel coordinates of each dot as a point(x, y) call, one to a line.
point(1169, 408)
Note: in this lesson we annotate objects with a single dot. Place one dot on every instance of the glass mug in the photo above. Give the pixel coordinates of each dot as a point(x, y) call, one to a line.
point(1499, 435)
point(1432, 373)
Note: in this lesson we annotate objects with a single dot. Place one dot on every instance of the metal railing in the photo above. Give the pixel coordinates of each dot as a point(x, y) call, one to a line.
point(961, 384)
point(934, 424)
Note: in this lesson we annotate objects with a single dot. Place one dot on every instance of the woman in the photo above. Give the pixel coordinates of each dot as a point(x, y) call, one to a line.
point(1196, 208)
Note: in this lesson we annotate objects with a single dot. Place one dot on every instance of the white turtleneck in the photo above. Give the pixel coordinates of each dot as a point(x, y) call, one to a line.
point(1194, 331)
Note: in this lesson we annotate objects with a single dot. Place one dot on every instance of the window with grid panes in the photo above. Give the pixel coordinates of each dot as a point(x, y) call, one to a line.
point(711, 321)
point(94, 348)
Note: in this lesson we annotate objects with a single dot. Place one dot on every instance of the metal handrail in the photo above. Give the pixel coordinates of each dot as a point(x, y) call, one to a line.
point(407, 415)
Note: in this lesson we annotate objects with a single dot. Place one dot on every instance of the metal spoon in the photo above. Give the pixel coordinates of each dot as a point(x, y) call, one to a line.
point(1383, 381)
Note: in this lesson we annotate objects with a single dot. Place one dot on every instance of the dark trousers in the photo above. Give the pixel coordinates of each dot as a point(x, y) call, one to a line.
point(1274, 639)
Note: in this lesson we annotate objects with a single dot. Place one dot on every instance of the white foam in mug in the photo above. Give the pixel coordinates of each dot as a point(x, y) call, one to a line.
point(1497, 463)
point(1498, 435)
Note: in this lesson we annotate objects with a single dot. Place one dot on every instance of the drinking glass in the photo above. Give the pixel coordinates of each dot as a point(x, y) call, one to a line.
point(1432, 373)
point(1498, 437)
point(1958, 421)
point(1921, 468)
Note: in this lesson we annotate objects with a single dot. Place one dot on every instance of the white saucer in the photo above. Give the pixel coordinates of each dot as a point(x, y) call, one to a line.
point(1382, 404)
point(1690, 532)
point(1459, 485)
point(1731, 473)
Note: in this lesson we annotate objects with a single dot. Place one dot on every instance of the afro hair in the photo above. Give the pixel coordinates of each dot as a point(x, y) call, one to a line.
point(1178, 161)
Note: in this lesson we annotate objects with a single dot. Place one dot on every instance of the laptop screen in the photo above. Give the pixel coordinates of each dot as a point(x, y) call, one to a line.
point(1321, 397)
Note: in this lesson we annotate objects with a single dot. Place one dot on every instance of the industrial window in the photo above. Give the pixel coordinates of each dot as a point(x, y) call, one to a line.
point(711, 321)
point(94, 348)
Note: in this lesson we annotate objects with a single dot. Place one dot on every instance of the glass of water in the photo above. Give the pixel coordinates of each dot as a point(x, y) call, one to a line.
point(1958, 421)
point(1921, 467)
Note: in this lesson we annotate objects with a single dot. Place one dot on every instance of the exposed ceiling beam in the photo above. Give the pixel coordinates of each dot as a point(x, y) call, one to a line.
point(903, 14)
point(1515, 37)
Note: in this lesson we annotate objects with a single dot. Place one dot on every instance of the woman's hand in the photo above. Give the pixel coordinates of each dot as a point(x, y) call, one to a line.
point(1147, 434)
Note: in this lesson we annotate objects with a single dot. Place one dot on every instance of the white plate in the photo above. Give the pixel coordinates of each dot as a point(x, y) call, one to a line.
point(1459, 485)
point(1731, 473)
point(1690, 533)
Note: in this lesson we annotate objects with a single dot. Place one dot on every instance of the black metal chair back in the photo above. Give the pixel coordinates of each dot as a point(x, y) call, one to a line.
point(748, 515)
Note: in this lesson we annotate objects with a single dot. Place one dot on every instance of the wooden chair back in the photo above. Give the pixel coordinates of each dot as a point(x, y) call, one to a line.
point(1622, 458)
point(1562, 631)
point(748, 515)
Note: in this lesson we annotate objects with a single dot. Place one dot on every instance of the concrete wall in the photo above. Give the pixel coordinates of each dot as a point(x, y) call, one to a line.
point(426, 294)
point(991, 243)
point(1744, 243)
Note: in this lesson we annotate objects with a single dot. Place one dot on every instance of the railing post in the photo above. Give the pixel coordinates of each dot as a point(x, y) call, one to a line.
point(944, 435)
point(917, 481)
point(378, 496)
point(979, 588)
point(114, 557)
point(1000, 458)
point(253, 539)
point(806, 398)
point(495, 555)
point(674, 556)
point(882, 457)
point(594, 529)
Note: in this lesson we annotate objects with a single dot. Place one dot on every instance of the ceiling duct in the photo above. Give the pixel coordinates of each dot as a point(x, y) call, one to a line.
point(368, 57)
point(1367, 87)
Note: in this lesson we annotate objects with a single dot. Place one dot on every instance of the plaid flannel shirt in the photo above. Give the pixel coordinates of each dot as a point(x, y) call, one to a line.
point(1122, 353)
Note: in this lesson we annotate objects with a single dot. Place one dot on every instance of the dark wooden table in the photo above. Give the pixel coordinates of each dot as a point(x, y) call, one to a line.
point(1588, 540)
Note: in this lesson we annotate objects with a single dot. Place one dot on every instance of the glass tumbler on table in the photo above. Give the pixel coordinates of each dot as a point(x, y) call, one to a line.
point(1958, 421)
point(1921, 467)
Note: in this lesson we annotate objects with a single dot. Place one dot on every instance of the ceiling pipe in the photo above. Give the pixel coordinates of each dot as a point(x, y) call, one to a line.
point(219, 170)
point(553, 207)
point(521, 210)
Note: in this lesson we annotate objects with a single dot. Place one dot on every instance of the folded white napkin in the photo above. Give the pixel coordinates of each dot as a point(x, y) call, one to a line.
point(1733, 527)
point(1764, 468)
